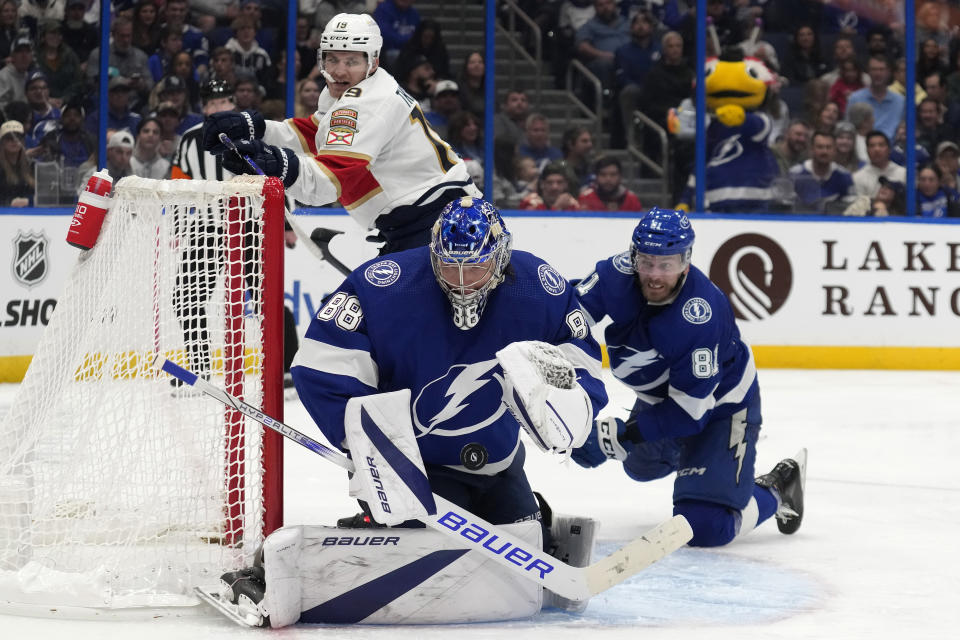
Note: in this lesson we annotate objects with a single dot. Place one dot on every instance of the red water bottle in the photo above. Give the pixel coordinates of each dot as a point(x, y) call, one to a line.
point(91, 210)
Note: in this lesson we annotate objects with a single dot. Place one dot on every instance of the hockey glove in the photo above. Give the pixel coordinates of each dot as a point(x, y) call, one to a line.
point(544, 397)
point(606, 442)
point(278, 162)
point(238, 125)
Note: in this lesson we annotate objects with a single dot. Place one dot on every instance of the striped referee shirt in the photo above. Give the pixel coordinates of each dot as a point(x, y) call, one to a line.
point(191, 162)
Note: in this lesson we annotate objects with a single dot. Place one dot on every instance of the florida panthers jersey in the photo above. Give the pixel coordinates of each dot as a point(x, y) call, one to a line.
point(372, 149)
point(685, 360)
point(389, 326)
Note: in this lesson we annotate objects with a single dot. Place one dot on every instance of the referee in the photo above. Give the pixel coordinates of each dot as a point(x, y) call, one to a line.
point(191, 161)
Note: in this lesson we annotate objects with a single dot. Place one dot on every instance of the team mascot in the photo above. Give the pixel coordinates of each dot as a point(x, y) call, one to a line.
point(741, 168)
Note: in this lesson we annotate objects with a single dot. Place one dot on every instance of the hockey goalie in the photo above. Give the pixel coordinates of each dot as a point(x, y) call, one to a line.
point(424, 366)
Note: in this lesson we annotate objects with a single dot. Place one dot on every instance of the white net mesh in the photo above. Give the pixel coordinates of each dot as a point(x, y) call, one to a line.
point(118, 489)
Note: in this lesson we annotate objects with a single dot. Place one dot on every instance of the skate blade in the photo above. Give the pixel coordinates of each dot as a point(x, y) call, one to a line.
point(228, 609)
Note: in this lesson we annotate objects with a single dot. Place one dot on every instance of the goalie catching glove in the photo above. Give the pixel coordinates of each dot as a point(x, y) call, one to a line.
point(238, 125)
point(606, 442)
point(543, 395)
point(278, 162)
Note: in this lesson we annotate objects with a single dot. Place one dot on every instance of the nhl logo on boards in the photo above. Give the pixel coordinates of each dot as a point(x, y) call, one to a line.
point(697, 311)
point(623, 263)
point(552, 281)
point(383, 273)
point(474, 456)
point(30, 258)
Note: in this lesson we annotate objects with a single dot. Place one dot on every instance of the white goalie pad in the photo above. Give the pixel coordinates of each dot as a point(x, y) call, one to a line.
point(544, 396)
point(390, 576)
point(389, 476)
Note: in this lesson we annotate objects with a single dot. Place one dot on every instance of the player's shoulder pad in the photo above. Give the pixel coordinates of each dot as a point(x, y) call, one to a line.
point(530, 268)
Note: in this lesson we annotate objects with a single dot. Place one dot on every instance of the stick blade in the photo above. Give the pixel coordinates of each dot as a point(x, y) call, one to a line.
point(636, 556)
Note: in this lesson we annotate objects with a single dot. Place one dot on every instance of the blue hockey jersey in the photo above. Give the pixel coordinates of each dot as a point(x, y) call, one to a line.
point(389, 327)
point(684, 360)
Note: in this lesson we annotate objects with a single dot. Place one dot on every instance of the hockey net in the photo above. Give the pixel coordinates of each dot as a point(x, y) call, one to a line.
point(118, 489)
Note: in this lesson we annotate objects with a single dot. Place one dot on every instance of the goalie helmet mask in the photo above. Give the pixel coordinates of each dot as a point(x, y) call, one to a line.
point(469, 252)
point(662, 232)
point(351, 32)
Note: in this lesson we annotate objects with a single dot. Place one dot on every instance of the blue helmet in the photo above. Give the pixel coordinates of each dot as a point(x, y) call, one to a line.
point(663, 232)
point(469, 252)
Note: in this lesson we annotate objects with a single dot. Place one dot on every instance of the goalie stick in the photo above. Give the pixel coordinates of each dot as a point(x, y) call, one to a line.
point(575, 583)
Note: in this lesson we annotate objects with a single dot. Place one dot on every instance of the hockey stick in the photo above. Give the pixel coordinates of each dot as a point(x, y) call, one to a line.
point(575, 583)
point(228, 143)
point(322, 237)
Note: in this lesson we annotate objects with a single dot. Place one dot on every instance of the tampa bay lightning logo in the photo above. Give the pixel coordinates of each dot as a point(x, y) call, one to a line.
point(383, 273)
point(551, 280)
point(623, 263)
point(727, 151)
point(461, 401)
point(697, 311)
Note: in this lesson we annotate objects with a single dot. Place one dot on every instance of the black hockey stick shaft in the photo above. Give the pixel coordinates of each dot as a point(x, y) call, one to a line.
point(322, 237)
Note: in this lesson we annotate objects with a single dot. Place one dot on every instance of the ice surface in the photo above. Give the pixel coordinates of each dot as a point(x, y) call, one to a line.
point(877, 556)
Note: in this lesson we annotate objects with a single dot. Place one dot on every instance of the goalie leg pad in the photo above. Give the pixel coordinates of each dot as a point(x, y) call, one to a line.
point(390, 476)
point(397, 576)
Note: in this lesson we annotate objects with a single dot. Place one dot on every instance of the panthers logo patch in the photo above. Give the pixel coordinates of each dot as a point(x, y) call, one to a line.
point(383, 273)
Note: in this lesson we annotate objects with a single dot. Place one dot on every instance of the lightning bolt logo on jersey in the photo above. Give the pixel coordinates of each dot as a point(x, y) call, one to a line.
point(378, 337)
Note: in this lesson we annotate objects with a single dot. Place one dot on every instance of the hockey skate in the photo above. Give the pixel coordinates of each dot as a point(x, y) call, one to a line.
point(240, 597)
point(788, 479)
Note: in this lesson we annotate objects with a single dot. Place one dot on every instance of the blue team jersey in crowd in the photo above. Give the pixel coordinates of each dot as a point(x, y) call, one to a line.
point(389, 326)
point(685, 360)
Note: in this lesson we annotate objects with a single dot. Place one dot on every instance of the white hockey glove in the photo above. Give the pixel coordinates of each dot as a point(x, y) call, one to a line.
point(543, 395)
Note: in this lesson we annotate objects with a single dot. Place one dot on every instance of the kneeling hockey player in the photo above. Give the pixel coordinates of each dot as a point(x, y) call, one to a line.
point(674, 341)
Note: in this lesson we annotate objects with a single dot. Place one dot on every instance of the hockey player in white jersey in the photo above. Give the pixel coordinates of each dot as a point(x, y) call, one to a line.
point(368, 145)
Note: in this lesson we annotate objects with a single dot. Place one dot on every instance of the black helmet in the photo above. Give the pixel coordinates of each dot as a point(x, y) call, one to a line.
point(215, 89)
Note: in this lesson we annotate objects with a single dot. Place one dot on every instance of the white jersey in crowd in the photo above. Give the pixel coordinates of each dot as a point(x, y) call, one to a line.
point(372, 150)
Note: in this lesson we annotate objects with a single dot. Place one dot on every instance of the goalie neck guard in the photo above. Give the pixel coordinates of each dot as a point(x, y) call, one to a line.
point(469, 252)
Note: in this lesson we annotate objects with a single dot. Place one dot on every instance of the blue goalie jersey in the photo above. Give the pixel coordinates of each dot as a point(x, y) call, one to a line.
point(684, 360)
point(389, 327)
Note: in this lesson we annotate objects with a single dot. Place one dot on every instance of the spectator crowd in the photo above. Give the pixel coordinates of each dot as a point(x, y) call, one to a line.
point(837, 104)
